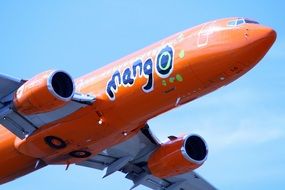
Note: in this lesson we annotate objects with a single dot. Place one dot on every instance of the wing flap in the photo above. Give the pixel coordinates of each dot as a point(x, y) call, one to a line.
point(99, 162)
point(189, 181)
point(15, 122)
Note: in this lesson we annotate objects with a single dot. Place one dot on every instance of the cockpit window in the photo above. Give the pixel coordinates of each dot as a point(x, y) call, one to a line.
point(241, 21)
point(251, 21)
point(232, 23)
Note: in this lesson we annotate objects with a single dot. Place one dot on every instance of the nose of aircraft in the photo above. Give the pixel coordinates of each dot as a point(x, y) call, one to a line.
point(260, 40)
point(265, 34)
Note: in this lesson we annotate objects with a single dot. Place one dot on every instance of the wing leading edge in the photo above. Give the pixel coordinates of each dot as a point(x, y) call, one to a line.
point(131, 157)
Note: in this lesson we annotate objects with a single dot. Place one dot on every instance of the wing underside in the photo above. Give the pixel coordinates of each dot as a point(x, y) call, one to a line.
point(131, 157)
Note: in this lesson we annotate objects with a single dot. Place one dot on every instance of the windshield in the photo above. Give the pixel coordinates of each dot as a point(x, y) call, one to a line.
point(241, 21)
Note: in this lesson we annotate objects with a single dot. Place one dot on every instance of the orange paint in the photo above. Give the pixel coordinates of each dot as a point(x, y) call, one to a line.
point(168, 160)
point(35, 95)
point(205, 58)
point(13, 163)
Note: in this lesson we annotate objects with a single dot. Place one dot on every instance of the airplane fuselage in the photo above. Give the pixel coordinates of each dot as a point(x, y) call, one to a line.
point(136, 88)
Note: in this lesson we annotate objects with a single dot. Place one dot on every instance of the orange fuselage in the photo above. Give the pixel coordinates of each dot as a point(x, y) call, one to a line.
point(136, 88)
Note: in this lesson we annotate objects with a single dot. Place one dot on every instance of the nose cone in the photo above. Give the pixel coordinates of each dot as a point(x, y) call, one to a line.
point(259, 41)
point(266, 35)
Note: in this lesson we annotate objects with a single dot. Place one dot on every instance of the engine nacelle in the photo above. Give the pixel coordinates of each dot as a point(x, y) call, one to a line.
point(178, 156)
point(43, 93)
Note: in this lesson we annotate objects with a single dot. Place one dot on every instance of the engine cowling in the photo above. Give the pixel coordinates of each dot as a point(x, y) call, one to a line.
point(178, 156)
point(43, 93)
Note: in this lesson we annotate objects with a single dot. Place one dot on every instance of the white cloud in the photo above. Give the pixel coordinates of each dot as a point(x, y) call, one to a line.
point(249, 132)
point(244, 136)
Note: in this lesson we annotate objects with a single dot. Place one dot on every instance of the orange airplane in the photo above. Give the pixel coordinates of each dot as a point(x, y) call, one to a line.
point(100, 120)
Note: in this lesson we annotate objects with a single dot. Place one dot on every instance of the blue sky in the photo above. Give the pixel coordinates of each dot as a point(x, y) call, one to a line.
point(243, 123)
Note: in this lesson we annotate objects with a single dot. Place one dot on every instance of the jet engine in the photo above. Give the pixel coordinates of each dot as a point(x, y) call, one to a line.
point(43, 93)
point(178, 156)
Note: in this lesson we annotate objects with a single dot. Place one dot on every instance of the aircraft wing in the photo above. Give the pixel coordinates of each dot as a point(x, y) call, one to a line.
point(7, 86)
point(131, 157)
point(24, 125)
